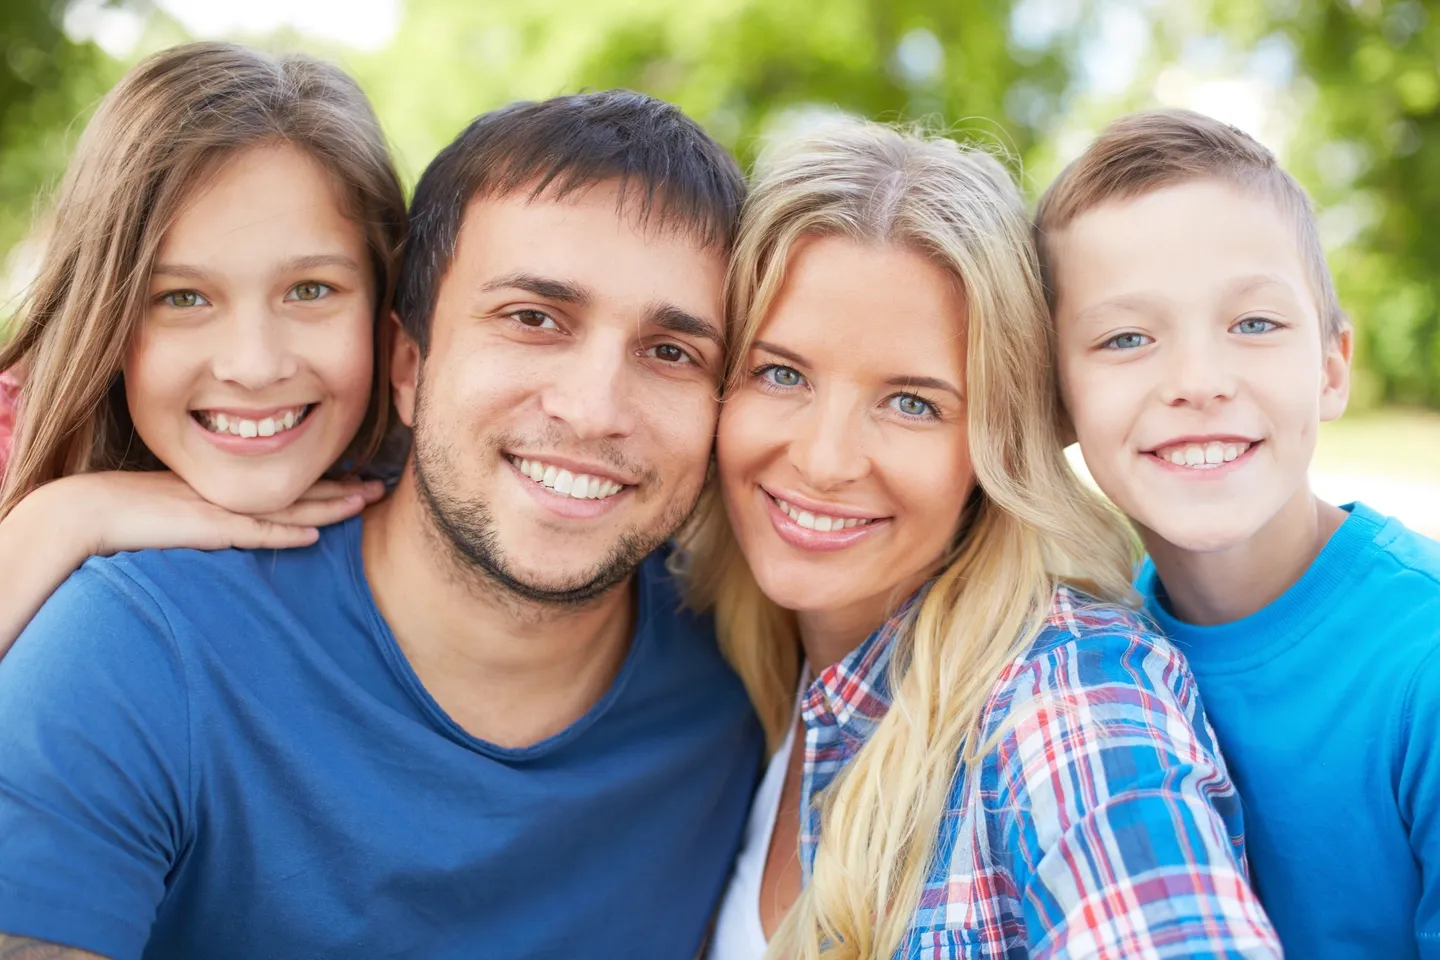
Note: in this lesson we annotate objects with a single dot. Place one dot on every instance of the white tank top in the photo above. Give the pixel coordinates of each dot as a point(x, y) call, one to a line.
point(738, 933)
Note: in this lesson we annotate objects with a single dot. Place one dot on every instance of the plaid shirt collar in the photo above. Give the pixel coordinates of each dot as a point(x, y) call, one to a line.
point(841, 709)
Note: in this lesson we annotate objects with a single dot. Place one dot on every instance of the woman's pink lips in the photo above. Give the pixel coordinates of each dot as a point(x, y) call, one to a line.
point(818, 541)
point(257, 446)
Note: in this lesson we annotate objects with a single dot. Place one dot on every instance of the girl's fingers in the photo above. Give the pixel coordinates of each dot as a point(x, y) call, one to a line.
point(370, 490)
point(255, 534)
point(317, 513)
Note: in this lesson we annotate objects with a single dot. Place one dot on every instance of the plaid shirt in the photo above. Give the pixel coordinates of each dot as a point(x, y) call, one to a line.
point(9, 411)
point(1102, 825)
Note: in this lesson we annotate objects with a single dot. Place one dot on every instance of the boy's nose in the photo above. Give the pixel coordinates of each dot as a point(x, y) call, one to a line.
point(1197, 377)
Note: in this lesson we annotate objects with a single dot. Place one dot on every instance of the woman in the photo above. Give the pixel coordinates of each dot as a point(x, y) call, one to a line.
point(996, 759)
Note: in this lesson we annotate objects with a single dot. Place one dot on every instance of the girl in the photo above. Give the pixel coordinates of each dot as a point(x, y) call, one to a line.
point(208, 335)
point(988, 756)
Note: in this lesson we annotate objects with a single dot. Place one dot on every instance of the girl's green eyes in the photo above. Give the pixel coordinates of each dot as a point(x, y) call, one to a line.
point(182, 299)
point(309, 290)
point(305, 292)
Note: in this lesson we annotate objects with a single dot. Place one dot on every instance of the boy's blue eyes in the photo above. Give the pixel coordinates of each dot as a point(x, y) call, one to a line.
point(1249, 326)
point(1127, 341)
point(1254, 325)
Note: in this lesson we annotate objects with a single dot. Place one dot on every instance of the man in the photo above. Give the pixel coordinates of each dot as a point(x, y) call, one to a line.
point(475, 722)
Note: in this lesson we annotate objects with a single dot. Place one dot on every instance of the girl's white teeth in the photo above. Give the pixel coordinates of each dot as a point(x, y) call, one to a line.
point(1205, 455)
point(580, 487)
point(820, 522)
point(248, 429)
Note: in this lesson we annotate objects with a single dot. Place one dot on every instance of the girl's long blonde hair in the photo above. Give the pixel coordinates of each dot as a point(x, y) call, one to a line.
point(159, 134)
point(1029, 525)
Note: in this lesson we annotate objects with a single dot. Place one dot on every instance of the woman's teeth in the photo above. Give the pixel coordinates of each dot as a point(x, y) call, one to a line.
point(1203, 455)
point(578, 486)
point(819, 521)
point(243, 427)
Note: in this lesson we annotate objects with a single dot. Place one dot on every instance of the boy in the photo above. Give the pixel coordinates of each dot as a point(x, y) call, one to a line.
point(1201, 345)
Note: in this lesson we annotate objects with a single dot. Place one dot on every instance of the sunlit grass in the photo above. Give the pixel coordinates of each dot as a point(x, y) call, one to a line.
point(1401, 444)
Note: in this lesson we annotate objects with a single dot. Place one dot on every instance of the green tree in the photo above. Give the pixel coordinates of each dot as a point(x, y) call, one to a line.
point(1369, 147)
point(46, 80)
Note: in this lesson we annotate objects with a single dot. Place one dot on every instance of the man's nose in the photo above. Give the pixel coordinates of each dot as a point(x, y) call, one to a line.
point(593, 389)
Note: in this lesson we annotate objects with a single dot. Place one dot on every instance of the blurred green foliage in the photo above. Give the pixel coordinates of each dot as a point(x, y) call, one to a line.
point(1368, 148)
point(1367, 79)
point(46, 83)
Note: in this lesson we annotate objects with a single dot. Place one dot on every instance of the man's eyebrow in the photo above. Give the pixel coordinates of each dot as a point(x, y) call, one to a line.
point(667, 316)
point(561, 291)
point(931, 383)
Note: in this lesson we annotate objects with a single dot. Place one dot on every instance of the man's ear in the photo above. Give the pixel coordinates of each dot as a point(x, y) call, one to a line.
point(404, 371)
point(1335, 385)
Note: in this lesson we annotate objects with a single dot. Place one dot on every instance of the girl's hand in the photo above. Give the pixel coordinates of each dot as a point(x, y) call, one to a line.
point(129, 510)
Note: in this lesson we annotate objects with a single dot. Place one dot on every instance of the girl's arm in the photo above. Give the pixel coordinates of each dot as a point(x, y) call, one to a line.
point(53, 530)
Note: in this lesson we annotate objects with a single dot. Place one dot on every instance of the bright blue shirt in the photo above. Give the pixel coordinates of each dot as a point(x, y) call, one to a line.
point(226, 755)
point(1326, 704)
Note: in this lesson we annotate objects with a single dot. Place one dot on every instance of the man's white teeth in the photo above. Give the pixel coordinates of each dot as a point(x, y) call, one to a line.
point(248, 429)
point(1209, 454)
point(580, 487)
point(820, 522)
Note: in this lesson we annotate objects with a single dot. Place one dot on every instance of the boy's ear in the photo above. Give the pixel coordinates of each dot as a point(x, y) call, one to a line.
point(1335, 386)
point(404, 371)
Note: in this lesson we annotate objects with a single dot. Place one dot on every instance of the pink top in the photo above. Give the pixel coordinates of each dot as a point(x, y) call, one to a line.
point(9, 405)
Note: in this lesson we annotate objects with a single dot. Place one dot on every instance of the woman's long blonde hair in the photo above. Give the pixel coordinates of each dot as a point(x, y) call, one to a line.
point(1029, 525)
point(158, 135)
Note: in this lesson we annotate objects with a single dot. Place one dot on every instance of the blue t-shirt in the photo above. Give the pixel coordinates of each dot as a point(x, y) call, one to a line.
point(226, 755)
point(1326, 704)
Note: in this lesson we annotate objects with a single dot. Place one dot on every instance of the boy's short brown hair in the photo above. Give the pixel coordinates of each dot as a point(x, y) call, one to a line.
point(1154, 149)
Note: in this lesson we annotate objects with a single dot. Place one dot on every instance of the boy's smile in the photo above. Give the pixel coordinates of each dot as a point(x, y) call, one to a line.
point(1193, 363)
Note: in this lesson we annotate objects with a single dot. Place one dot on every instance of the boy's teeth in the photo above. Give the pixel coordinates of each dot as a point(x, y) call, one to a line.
point(1205, 455)
point(820, 522)
point(578, 486)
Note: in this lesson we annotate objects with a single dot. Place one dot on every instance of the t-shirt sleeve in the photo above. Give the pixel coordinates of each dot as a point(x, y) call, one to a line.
point(1119, 819)
point(1419, 796)
point(94, 766)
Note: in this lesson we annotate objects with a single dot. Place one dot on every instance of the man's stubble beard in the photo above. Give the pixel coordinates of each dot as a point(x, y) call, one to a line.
point(466, 527)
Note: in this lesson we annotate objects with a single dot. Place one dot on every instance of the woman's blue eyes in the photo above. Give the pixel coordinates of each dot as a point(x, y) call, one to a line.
point(780, 376)
point(912, 406)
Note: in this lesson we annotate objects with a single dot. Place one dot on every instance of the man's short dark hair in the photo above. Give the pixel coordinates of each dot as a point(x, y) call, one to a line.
point(671, 175)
